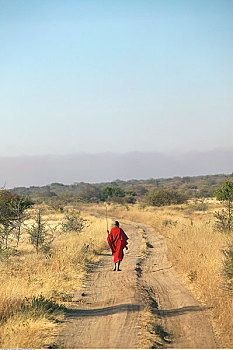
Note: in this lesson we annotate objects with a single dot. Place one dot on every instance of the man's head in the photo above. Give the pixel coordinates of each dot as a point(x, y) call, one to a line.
point(117, 223)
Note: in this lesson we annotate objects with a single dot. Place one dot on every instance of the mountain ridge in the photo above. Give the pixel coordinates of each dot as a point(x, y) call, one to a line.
point(105, 167)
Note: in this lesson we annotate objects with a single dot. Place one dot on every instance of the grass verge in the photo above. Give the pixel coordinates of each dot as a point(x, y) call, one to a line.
point(34, 286)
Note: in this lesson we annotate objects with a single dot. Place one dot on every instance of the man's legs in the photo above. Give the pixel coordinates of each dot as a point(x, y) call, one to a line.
point(118, 266)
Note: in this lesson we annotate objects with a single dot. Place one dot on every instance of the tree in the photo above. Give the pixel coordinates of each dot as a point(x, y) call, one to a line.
point(164, 197)
point(111, 193)
point(7, 215)
point(12, 208)
point(47, 193)
point(39, 235)
point(89, 193)
point(130, 197)
point(225, 194)
point(73, 222)
point(19, 208)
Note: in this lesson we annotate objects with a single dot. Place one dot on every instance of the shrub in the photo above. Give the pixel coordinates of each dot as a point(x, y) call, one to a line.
point(168, 222)
point(39, 306)
point(130, 197)
point(110, 193)
point(225, 218)
point(6, 253)
point(228, 266)
point(73, 222)
point(165, 197)
point(199, 205)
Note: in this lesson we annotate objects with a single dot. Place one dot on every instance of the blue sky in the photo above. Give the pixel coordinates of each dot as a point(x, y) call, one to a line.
point(115, 76)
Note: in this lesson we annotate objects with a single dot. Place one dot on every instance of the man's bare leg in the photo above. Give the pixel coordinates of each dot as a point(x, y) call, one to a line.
point(118, 268)
point(115, 267)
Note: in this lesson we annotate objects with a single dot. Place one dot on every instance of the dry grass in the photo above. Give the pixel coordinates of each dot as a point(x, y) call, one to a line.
point(194, 248)
point(55, 275)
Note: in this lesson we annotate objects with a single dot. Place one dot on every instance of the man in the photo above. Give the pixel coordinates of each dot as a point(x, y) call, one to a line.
point(117, 241)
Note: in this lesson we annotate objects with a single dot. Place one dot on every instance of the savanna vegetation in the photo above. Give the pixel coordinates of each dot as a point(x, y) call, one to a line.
point(40, 272)
point(47, 244)
point(119, 191)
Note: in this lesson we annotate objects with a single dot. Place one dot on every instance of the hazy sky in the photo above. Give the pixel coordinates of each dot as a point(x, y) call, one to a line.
point(115, 75)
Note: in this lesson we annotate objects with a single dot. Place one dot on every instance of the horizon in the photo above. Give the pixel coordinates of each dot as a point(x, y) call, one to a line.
point(107, 167)
point(170, 153)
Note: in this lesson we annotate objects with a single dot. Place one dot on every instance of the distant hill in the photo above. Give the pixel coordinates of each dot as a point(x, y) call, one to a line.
point(105, 167)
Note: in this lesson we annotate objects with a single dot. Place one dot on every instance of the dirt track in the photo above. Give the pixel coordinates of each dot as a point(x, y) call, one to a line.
point(115, 306)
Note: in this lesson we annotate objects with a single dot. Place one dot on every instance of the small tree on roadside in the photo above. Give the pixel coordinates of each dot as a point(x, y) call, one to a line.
point(12, 208)
point(39, 234)
point(73, 222)
point(225, 218)
point(7, 215)
point(20, 215)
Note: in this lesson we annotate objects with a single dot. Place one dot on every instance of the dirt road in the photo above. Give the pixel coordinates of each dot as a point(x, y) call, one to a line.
point(144, 305)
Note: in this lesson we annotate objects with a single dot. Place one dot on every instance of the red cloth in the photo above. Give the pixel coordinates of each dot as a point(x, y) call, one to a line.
point(117, 241)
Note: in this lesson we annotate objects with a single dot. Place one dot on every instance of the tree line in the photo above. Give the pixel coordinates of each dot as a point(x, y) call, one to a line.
point(190, 186)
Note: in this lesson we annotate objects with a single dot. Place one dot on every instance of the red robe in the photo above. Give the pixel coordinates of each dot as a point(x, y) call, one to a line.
point(117, 241)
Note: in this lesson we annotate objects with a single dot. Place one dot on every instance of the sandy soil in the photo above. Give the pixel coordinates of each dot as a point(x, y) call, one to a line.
point(109, 311)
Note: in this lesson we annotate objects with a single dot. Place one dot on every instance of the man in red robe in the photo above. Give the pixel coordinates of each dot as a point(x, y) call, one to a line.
point(117, 241)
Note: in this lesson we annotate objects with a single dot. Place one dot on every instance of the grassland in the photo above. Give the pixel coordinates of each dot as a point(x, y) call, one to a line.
point(195, 250)
point(47, 281)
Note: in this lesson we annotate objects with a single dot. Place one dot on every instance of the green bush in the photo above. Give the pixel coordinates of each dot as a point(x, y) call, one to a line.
point(165, 197)
point(73, 222)
point(109, 193)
